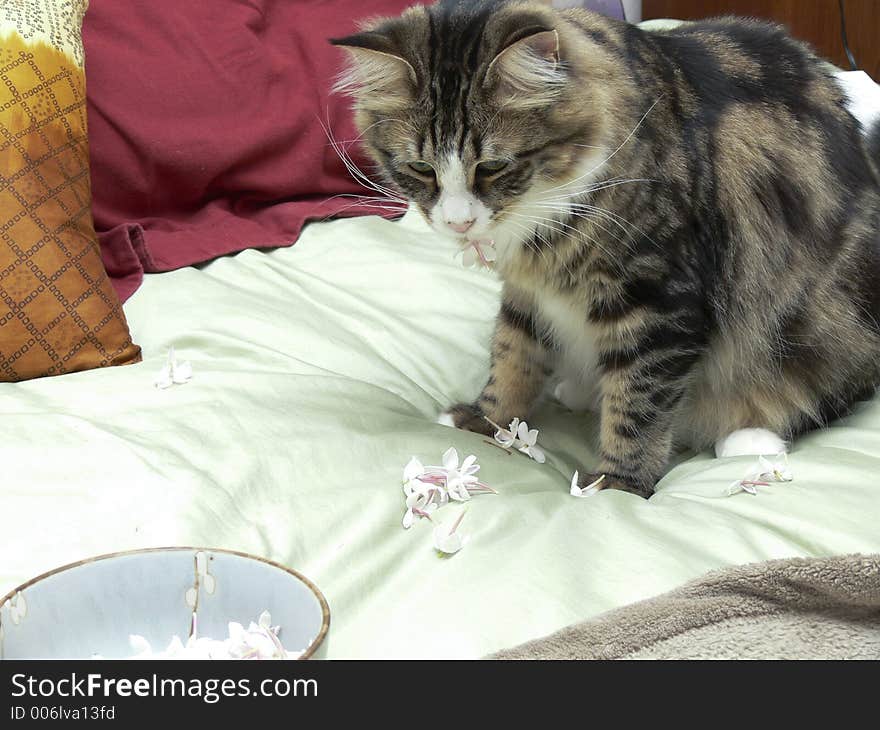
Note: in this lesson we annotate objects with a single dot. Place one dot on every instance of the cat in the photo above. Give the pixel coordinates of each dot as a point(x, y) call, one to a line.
point(688, 218)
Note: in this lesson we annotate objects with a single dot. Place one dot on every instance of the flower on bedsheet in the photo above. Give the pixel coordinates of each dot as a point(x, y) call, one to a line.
point(528, 439)
point(427, 488)
point(424, 491)
point(776, 471)
point(446, 539)
point(459, 478)
point(765, 473)
point(506, 437)
point(519, 436)
point(173, 372)
point(587, 491)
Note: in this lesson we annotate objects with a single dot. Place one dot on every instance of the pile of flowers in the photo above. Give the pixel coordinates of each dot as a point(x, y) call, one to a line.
point(257, 641)
point(427, 488)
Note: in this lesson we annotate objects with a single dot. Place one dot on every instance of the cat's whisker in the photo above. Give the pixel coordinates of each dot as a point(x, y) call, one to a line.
point(608, 159)
point(550, 223)
point(576, 232)
point(374, 124)
point(547, 245)
point(359, 175)
point(542, 223)
point(382, 199)
point(619, 220)
point(604, 185)
point(527, 239)
point(580, 208)
point(591, 216)
point(368, 201)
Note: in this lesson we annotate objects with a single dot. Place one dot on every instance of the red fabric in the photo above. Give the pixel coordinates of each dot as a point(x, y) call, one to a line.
point(205, 125)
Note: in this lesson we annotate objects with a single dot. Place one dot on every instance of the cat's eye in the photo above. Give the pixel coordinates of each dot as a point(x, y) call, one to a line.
point(491, 167)
point(421, 167)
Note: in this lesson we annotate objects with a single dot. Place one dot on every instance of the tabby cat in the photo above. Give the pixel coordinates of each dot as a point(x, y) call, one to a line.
point(689, 219)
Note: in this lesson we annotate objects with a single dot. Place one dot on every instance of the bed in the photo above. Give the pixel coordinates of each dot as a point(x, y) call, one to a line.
point(318, 372)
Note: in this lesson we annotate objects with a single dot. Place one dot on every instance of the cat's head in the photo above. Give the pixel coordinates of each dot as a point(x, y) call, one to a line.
point(472, 109)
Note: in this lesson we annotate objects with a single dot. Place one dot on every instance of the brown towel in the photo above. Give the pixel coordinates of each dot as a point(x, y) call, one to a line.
point(801, 608)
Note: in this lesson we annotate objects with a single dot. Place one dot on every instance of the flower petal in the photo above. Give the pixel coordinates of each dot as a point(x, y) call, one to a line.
point(505, 438)
point(413, 469)
point(588, 491)
point(469, 463)
point(537, 454)
point(446, 543)
point(163, 379)
point(181, 372)
point(450, 458)
point(408, 519)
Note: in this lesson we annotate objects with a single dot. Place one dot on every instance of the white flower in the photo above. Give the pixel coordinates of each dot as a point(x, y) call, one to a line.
point(765, 472)
point(479, 253)
point(173, 372)
point(257, 641)
point(518, 436)
point(421, 503)
point(587, 491)
point(427, 488)
point(446, 539)
point(527, 442)
point(775, 471)
point(506, 437)
point(459, 478)
point(413, 470)
point(742, 485)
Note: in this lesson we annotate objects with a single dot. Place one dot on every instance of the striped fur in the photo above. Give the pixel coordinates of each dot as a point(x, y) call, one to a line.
point(690, 216)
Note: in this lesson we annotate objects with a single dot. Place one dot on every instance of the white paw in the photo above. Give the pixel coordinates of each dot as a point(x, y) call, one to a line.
point(750, 442)
point(445, 419)
point(574, 395)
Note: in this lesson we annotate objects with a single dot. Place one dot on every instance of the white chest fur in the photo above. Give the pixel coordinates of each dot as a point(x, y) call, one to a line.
point(566, 319)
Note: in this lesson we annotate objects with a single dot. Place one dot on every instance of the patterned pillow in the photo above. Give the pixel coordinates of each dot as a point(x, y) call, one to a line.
point(58, 311)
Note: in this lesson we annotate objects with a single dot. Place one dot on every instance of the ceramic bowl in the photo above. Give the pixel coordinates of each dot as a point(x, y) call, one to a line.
point(91, 607)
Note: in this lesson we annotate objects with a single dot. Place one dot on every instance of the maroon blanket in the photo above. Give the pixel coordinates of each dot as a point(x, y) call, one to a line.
point(205, 125)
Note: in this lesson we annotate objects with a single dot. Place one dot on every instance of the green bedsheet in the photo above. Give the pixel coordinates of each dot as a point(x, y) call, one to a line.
point(319, 371)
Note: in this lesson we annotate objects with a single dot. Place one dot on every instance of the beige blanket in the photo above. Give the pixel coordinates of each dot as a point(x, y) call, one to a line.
point(813, 608)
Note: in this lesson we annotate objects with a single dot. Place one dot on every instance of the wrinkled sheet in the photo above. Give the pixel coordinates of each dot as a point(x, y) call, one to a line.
point(318, 372)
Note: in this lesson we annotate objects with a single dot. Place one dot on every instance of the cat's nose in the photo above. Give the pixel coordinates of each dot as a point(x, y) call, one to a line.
point(461, 226)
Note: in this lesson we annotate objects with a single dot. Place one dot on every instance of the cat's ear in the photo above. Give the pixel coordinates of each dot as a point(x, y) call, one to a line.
point(378, 75)
point(527, 70)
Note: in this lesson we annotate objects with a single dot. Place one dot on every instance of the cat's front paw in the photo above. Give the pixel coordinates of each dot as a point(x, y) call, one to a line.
point(612, 481)
point(467, 417)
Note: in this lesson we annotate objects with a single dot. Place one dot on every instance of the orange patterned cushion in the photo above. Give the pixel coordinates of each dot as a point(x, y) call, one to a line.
point(58, 311)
